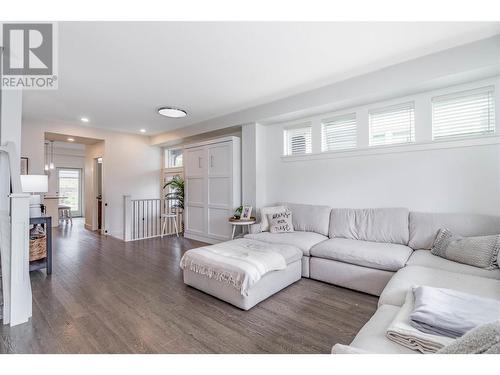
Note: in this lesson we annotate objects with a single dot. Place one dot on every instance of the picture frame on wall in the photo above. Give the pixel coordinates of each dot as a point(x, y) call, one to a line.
point(246, 213)
point(24, 165)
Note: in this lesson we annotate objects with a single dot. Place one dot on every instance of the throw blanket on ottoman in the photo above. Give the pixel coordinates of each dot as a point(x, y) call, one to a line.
point(240, 263)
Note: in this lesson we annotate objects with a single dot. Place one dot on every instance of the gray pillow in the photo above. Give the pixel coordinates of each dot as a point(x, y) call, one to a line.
point(280, 222)
point(481, 251)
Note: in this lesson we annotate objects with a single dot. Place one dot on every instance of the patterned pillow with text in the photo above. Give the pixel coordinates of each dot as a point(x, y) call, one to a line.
point(280, 222)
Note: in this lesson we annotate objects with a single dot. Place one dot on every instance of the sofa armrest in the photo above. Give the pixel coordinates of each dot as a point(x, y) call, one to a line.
point(346, 349)
point(255, 228)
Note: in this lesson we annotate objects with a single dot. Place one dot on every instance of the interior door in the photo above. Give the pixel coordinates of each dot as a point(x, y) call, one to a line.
point(219, 190)
point(70, 187)
point(195, 162)
point(195, 192)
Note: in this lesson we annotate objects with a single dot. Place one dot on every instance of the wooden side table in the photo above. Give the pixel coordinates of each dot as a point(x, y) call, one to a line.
point(46, 262)
point(240, 223)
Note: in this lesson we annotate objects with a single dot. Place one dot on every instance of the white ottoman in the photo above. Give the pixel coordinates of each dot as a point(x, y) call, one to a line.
point(271, 283)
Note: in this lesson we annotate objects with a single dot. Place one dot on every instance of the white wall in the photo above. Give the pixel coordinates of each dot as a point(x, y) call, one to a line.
point(131, 165)
point(453, 176)
point(465, 179)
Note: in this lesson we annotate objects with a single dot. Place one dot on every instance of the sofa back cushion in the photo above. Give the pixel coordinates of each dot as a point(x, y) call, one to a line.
point(425, 226)
point(309, 218)
point(370, 224)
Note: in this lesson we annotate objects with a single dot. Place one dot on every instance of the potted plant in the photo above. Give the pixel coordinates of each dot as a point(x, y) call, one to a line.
point(176, 194)
point(237, 213)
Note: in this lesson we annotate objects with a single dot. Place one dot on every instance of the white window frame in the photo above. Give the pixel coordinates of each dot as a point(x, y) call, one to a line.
point(348, 117)
point(302, 125)
point(387, 109)
point(166, 155)
point(464, 93)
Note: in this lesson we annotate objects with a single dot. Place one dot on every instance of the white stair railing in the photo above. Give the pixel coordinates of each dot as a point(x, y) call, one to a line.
point(142, 218)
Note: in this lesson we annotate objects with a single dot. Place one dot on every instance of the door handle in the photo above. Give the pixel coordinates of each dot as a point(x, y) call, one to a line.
point(211, 161)
point(199, 162)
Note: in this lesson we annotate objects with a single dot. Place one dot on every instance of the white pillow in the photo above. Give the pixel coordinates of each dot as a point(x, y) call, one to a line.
point(280, 222)
point(264, 222)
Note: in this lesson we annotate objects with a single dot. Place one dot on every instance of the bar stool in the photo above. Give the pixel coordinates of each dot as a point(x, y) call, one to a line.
point(167, 217)
point(65, 213)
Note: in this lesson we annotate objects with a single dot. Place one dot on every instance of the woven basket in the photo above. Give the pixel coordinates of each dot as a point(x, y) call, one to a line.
point(38, 248)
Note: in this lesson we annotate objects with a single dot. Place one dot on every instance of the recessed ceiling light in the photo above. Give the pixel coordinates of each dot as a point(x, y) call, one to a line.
point(71, 139)
point(143, 130)
point(172, 112)
point(84, 119)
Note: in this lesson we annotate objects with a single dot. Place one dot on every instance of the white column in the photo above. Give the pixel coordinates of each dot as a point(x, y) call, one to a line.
point(253, 165)
point(20, 284)
point(127, 218)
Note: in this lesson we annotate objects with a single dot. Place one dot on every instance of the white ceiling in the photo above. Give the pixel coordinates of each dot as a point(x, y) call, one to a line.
point(118, 73)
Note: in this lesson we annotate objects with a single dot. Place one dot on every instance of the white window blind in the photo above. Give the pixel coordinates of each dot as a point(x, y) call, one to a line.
point(464, 114)
point(298, 140)
point(339, 133)
point(392, 125)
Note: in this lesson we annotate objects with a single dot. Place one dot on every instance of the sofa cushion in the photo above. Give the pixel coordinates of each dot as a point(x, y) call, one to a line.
point(310, 218)
point(370, 224)
point(426, 259)
point(407, 277)
point(382, 256)
point(425, 226)
point(303, 240)
point(371, 337)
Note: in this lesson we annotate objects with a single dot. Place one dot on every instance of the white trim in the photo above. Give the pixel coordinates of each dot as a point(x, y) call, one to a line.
point(203, 238)
point(390, 149)
point(209, 142)
point(464, 93)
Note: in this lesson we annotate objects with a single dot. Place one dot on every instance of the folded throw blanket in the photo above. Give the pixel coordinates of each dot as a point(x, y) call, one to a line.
point(401, 332)
point(450, 313)
point(484, 339)
point(240, 263)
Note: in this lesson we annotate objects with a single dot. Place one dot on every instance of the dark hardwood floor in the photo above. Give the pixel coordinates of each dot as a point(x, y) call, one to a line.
point(108, 296)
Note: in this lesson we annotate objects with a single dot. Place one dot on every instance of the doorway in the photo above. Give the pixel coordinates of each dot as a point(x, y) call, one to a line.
point(98, 195)
point(70, 186)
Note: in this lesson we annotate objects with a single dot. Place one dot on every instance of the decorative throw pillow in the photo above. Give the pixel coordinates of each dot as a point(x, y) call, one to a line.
point(264, 212)
point(481, 251)
point(280, 222)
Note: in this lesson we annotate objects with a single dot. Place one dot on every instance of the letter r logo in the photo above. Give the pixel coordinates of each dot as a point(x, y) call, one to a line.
point(28, 49)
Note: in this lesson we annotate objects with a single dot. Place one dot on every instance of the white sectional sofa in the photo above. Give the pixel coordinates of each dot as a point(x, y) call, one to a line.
point(383, 252)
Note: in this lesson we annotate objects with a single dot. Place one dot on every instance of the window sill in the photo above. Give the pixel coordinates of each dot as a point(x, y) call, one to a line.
point(390, 149)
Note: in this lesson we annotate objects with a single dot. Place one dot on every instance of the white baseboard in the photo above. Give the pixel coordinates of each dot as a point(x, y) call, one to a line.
point(202, 238)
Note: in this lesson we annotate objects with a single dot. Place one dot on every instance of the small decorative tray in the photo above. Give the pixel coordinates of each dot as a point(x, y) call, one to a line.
point(232, 219)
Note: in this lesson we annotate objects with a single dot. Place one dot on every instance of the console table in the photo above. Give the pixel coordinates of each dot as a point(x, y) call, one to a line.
point(46, 262)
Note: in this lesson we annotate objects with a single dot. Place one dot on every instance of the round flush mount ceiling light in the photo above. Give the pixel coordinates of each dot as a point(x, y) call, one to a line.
point(172, 112)
point(84, 119)
point(71, 139)
point(143, 130)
